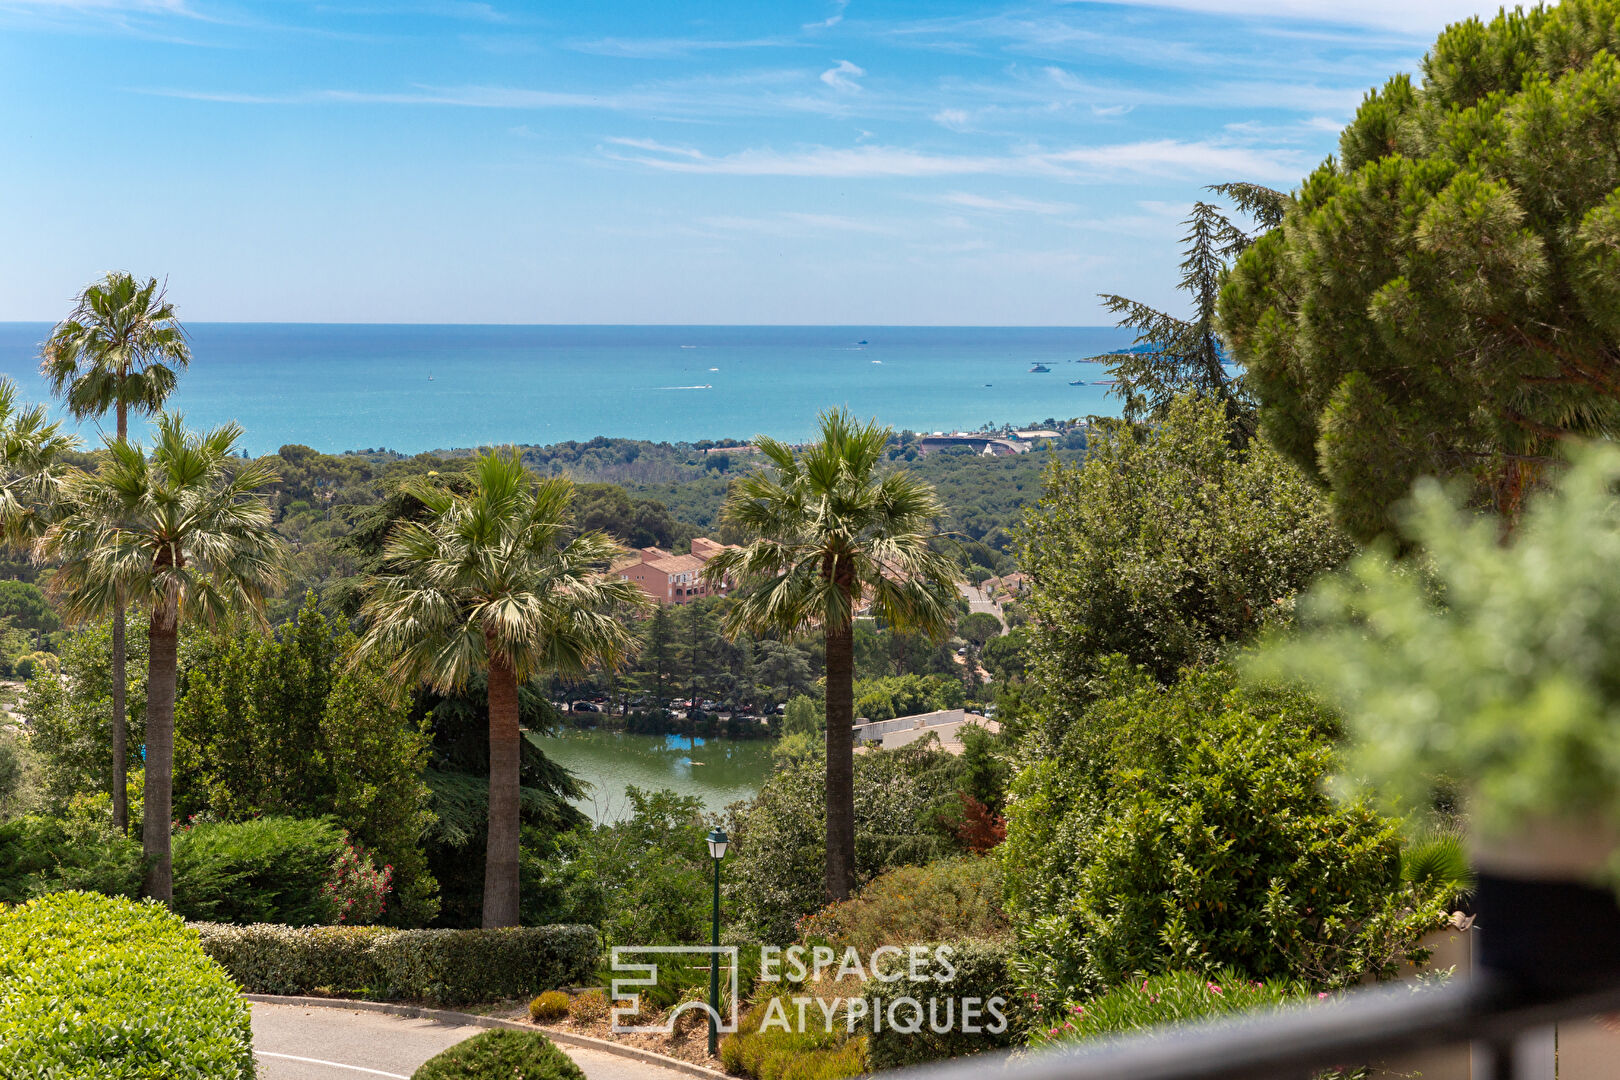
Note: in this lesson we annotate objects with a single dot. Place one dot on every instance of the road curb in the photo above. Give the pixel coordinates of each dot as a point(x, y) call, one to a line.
point(566, 1038)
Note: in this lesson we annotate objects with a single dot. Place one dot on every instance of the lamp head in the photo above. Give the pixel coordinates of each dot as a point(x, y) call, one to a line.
point(717, 843)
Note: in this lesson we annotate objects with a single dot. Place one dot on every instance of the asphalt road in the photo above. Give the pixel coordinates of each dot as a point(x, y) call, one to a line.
point(294, 1042)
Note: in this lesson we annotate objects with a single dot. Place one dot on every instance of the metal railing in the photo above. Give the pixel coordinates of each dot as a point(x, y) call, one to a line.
point(1368, 1028)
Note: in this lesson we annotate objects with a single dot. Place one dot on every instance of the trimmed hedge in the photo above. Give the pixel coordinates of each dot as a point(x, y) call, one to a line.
point(501, 1055)
point(106, 987)
point(438, 966)
point(984, 970)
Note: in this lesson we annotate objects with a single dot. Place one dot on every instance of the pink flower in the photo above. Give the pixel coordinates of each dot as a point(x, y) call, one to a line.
point(1320, 996)
point(1052, 1034)
point(1143, 987)
point(1078, 1010)
point(1214, 989)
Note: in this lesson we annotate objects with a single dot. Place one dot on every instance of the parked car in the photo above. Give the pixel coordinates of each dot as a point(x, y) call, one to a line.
point(586, 706)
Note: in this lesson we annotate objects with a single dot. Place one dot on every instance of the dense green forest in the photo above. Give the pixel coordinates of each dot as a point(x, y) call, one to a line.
point(643, 493)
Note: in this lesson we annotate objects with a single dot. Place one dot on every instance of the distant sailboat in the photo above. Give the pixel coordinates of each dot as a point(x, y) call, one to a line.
point(430, 378)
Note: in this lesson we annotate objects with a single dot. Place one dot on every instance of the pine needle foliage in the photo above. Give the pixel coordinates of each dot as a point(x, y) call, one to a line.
point(1444, 297)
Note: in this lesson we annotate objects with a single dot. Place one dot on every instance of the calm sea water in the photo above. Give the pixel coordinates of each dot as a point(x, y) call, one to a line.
point(415, 388)
point(718, 771)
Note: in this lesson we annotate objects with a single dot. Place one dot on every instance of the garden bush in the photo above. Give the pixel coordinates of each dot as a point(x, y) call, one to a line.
point(275, 870)
point(588, 1007)
point(949, 899)
point(1179, 997)
point(984, 971)
point(645, 880)
point(549, 1006)
point(501, 1055)
point(41, 855)
point(267, 870)
point(812, 1054)
point(1186, 827)
point(438, 966)
point(778, 874)
point(106, 987)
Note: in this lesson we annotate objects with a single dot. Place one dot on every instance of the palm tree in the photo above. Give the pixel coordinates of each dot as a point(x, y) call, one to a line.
point(183, 534)
point(31, 470)
point(496, 580)
point(118, 349)
point(829, 530)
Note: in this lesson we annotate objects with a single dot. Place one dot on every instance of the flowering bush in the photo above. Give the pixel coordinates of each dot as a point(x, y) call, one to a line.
point(356, 890)
point(1176, 998)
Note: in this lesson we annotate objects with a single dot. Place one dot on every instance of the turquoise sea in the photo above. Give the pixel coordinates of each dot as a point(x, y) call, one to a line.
point(413, 387)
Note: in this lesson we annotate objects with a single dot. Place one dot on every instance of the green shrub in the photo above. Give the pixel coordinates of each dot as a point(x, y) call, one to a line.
point(272, 870)
point(439, 966)
point(549, 1006)
point(1176, 998)
point(984, 973)
point(778, 874)
point(501, 1055)
point(105, 987)
point(1167, 544)
point(948, 899)
point(267, 870)
point(1496, 668)
point(812, 1054)
point(1186, 827)
point(43, 855)
point(645, 880)
point(588, 1007)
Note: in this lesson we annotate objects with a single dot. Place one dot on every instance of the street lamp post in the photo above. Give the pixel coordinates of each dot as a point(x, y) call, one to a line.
point(717, 851)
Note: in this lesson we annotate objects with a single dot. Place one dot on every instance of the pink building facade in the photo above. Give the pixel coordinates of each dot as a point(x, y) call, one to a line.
point(675, 579)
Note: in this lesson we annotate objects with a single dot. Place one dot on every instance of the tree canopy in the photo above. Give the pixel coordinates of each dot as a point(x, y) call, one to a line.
point(1166, 546)
point(1444, 298)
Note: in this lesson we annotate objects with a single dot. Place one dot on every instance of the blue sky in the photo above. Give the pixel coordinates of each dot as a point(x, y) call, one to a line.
point(656, 162)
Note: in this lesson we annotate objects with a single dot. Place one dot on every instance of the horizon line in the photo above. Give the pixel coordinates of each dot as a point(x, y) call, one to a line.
point(646, 326)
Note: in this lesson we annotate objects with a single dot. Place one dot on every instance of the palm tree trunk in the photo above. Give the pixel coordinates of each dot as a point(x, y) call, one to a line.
point(120, 738)
point(505, 757)
point(120, 727)
point(840, 761)
point(162, 668)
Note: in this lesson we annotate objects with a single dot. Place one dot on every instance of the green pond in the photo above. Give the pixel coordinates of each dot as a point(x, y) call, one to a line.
point(718, 771)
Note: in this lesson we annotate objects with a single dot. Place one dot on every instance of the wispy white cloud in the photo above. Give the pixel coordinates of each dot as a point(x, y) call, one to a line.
point(656, 147)
point(954, 119)
point(1161, 157)
point(149, 7)
point(1004, 204)
point(766, 92)
point(1419, 19)
point(794, 223)
point(668, 48)
point(843, 76)
point(832, 20)
point(862, 162)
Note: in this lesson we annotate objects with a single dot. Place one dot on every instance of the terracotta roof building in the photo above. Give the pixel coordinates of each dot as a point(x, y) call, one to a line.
point(673, 579)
